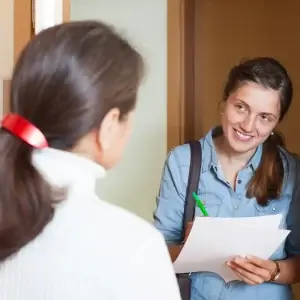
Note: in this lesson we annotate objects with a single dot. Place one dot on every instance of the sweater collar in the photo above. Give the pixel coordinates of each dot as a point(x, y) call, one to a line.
point(61, 168)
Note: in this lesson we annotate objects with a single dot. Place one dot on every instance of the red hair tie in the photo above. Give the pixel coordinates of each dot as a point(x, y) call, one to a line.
point(24, 130)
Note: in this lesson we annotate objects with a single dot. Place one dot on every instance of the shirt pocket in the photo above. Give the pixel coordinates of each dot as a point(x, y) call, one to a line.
point(274, 207)
point(212, 203)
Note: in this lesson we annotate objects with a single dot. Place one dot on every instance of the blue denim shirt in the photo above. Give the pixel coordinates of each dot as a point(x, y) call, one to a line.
point(222, 201)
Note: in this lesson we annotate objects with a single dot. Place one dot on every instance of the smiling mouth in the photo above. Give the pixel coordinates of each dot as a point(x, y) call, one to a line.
point(242, 136)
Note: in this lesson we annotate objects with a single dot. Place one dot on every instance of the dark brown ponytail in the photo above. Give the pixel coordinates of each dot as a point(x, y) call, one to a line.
point(269, 73)
point(26, 199)
point(65, 81)
point(268, 178)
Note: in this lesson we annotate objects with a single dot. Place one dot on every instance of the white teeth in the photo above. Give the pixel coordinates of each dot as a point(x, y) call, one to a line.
point(242, 136)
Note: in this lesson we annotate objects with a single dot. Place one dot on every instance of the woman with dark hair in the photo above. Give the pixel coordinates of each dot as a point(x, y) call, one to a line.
point(73, 97)
point(245, 172)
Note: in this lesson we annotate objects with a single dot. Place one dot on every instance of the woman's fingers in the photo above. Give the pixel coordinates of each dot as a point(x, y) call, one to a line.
point(262, 268)
point(246, 276)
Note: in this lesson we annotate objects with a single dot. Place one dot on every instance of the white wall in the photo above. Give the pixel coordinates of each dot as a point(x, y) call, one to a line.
point(135, 182)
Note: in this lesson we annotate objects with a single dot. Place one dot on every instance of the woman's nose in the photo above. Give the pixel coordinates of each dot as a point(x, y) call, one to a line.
point(248, 124)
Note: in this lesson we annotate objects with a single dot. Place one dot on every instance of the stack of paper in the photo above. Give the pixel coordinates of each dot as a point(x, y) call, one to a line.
point(213, 241)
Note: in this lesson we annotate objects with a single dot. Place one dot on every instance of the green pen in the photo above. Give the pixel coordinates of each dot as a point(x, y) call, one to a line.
point(200, 204)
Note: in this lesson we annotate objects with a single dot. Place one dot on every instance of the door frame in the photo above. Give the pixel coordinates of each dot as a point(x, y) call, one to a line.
point(23, 22)
point(23, 32)
point(180, 72)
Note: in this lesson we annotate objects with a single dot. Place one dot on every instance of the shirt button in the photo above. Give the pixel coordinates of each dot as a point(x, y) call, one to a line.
point(236, 207)
point(239, 181)
point(274, 209)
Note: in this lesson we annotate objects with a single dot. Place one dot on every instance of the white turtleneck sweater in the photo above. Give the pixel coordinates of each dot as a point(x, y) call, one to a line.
point(91, 250)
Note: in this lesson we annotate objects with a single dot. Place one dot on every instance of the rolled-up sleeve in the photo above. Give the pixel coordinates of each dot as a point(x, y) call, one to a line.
point(168, 215)
point(293, 218)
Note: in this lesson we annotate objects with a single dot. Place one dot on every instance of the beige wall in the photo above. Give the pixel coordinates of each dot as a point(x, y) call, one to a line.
point(6, 34)
point(229, 30)
point(135, 182)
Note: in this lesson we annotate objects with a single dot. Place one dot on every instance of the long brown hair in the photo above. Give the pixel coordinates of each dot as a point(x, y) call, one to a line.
point(268, 178)
point(65, 81)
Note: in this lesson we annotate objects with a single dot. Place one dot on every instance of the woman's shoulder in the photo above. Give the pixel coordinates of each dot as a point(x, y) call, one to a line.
point(128, 222)
point(291, 161)
point(291, 164)
point(121, 227)
point(181, 154)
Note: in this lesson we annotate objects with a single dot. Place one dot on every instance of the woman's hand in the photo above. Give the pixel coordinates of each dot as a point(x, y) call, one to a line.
point(252, 270)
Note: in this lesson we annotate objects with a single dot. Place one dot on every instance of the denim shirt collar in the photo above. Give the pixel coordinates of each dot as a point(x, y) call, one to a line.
point(211, 159)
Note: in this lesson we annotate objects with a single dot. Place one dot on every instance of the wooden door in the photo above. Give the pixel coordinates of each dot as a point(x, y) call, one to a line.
point(181, 71)
point(228, 31)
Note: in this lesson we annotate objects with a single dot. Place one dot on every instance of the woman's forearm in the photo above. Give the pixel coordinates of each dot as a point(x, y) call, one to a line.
point(174, 251)
point(289, 270)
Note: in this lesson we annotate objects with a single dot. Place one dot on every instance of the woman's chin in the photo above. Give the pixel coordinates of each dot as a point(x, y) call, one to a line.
point(241, 146)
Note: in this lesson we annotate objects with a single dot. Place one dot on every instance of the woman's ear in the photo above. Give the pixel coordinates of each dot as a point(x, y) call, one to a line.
point(109, 130)
point(112, 138)
point(221, 106)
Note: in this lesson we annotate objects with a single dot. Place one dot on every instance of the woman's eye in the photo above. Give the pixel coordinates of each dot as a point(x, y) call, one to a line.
point(240, 108)
point(265, 118)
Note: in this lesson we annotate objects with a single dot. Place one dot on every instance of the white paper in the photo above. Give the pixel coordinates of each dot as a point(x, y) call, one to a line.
point(213, 241)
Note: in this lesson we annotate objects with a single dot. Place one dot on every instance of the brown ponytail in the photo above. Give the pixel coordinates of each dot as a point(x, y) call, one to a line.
point(25, 198)
point(268, 178)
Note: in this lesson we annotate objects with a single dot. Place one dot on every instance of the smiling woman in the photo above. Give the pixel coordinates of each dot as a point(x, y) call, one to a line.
point(248, 172)
point(257, 96)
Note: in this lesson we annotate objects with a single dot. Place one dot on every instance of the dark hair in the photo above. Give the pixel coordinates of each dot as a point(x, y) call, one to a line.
point(268, 178)
point(66, 80)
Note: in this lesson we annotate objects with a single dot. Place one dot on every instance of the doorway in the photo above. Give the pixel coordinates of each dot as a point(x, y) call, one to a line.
point(205, 39)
